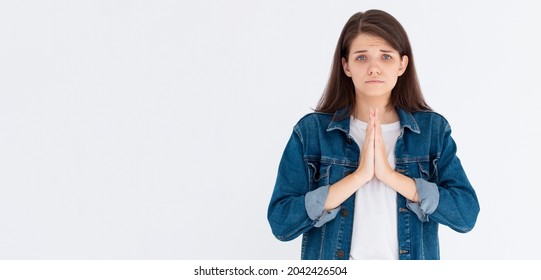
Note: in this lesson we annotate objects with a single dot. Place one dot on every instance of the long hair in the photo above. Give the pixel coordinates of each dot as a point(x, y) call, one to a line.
point(340, 91)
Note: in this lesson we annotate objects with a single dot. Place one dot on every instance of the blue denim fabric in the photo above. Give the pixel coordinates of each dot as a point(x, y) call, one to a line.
point(320, 152)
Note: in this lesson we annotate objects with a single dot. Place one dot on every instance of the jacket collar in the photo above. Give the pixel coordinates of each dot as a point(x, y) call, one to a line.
point(339, 122)
point(342, 124)
point(407, 120)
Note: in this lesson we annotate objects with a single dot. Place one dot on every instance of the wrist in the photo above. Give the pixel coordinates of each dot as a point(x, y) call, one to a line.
point(359, 178)
point(388, 177)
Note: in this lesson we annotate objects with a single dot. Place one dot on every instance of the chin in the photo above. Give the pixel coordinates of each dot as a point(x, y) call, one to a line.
point(374, 93)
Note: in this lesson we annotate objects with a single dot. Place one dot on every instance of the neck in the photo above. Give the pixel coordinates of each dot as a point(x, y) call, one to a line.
point(386, 115)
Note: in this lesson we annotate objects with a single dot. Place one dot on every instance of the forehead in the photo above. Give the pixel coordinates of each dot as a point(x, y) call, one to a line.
point(366, 41)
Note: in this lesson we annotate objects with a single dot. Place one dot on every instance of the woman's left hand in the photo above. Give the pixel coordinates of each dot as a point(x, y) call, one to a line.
point(382, 168)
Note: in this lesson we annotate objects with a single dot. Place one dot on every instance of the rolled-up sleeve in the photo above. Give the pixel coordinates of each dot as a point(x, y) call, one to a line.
point(458, 206)
point(315, 206)
point(429, 197)
point(295, 208)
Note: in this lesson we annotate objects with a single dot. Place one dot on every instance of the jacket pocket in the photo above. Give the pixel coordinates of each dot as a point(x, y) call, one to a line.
point(428, 170)
point(318, 174)
point(423, 167)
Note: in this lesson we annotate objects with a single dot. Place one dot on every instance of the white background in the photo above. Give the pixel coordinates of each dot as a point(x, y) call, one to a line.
point(154, 129)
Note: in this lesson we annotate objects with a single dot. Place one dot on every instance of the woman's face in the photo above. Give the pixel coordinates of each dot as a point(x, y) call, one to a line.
point(373, 65)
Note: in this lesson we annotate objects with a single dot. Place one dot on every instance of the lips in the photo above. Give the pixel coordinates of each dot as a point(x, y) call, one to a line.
point(374, 82)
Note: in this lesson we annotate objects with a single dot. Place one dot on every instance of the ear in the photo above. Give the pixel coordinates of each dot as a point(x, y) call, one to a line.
point(403, 65)
point(346, 67)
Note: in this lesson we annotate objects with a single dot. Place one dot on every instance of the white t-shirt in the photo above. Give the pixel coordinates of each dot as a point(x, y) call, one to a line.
point(374, 225)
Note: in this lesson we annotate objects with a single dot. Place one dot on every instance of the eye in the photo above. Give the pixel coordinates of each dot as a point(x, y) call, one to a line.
point(387, 57)
point(361, 57)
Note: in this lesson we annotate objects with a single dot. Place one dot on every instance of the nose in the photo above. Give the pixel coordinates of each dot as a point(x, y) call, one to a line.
point(374, 68)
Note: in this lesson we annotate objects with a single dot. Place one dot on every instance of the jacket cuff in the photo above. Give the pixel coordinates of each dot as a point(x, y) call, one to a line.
point(314, 202)
point(429, 197)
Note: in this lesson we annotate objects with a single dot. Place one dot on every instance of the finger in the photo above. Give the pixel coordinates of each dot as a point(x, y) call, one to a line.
point(377, 135)
point(369, 138)
point(380, 132)
point(372, 136)
point(379, 141)
point(369, 124)
point(372, 119)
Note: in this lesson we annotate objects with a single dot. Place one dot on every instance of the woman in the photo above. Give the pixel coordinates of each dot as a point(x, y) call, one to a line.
point(373, 172)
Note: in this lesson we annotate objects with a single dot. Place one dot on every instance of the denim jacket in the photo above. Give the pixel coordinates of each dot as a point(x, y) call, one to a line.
point(321, 151)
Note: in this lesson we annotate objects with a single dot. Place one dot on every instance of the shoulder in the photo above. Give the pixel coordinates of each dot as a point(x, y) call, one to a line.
point(431, 120)
point(429, 115)
point(312, 125)
point(314, 120)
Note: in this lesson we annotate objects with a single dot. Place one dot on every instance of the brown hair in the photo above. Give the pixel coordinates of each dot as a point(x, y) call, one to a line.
point(340, 91)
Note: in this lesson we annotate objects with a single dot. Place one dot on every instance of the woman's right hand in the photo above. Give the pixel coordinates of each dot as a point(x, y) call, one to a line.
point(366, 169)
point(341, 190)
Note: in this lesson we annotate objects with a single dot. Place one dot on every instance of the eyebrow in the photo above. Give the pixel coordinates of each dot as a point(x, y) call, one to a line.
point(383, 51)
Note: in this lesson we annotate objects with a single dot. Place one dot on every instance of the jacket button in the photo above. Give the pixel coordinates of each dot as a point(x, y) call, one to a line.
point(344, 212)
point(402, 252)
point(340, 254)
point(402, 209)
